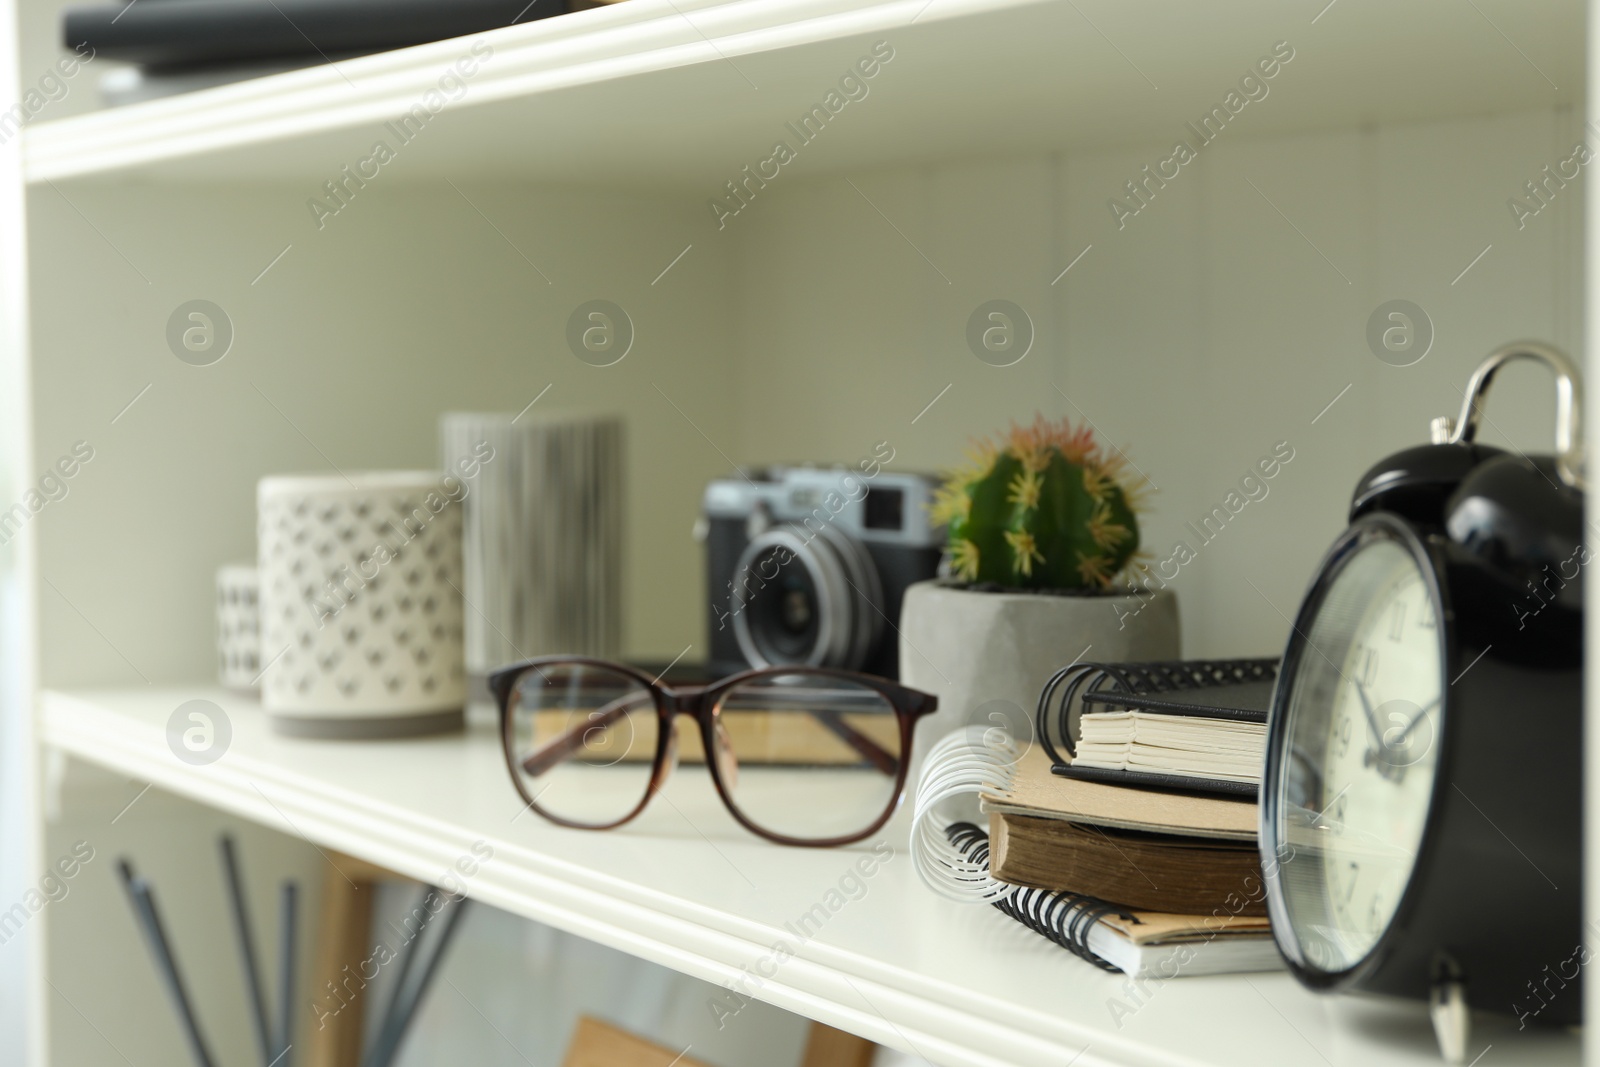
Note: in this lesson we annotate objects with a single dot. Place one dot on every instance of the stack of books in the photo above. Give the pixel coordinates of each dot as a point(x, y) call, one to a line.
point(1129, 834)
point(1175, 878)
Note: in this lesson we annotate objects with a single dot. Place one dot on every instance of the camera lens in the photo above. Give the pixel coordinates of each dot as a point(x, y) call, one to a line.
point(784, 616)
point(797, 613)
point(806, 597)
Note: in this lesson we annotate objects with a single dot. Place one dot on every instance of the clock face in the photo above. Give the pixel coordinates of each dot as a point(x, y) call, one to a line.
point(1355, 785)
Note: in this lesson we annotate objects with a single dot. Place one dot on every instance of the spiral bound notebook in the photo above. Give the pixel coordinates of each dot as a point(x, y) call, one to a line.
point(1191, 725)
point(1142, 944)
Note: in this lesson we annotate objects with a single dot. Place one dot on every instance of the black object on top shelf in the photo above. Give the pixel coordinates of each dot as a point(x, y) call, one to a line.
point(189, 33)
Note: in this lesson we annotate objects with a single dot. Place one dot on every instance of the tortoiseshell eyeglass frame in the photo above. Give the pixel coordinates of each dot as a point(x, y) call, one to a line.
point(703, 704)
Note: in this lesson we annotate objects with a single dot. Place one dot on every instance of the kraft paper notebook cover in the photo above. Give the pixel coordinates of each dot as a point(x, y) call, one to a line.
point(1194, 725)
point(1034, 791)
point(1145, 848)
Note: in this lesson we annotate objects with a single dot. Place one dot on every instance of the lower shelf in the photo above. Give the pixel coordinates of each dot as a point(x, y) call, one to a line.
point(684, 886)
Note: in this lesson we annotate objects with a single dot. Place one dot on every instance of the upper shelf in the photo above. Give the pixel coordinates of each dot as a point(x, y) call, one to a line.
point(685, 93)
point(686, 887)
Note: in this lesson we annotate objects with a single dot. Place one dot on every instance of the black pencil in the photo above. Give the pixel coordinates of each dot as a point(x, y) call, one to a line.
point(247, 948)
point(288, 925)
point(405, 1009)
point(407, 954)
point(144, 908)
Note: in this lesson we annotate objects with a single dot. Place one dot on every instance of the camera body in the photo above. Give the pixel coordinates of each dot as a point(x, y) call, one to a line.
point(808, 565)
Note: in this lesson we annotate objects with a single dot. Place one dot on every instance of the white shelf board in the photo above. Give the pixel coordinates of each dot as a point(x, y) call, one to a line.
point(687, 888)
point(684, 93)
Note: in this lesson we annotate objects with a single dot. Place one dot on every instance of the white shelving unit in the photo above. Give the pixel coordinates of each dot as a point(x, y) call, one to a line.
point(689, 889)
point(826, 315)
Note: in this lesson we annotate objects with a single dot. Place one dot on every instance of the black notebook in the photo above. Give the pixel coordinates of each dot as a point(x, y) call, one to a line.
point(1193, 724)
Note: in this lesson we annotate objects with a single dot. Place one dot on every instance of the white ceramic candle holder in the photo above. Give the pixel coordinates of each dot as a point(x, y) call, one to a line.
point(361, 607)
point(238, 626)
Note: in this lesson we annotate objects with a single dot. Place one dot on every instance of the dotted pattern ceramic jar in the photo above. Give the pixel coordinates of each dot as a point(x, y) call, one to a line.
point(238, 626)
point(361, 613)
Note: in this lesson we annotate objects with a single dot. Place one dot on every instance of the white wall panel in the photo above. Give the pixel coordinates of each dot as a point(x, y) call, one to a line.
point(1220, 320)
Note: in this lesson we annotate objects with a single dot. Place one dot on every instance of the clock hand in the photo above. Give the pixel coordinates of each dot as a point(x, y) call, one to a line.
point(1372, 718)
point(1412, 725)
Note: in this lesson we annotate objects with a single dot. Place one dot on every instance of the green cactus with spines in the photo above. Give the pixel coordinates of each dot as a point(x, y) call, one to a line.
point(1042, 508)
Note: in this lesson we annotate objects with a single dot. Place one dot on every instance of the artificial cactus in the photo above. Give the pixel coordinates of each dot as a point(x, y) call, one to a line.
point(1042, 508)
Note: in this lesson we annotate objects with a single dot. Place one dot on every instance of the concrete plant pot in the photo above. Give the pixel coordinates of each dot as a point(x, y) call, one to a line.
point(988, 653)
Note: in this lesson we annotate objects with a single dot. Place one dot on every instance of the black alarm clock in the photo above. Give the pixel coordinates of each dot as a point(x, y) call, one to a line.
point(1421, 808)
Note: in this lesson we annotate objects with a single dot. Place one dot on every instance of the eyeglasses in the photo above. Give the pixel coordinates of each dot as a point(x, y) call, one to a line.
point(800, 755)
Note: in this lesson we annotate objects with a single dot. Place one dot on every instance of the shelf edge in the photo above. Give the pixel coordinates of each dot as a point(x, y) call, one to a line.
point(975, 1033)
point(594, 47)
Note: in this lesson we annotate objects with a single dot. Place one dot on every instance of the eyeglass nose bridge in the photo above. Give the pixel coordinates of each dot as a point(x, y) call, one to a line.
point(686, 700)
point(690, 700)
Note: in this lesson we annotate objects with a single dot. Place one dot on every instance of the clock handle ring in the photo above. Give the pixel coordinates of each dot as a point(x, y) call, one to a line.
point(1569, 404)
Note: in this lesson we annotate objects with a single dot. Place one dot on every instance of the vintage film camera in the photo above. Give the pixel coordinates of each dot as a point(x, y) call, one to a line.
point(807, 565)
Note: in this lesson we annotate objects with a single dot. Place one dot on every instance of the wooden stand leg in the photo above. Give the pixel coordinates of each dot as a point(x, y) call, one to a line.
point(599, 1044)
point(827, 1047)
point(333, 1026)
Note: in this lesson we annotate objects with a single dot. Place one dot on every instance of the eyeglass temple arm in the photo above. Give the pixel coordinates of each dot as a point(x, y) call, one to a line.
point(875, 753)
point(558, 749)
